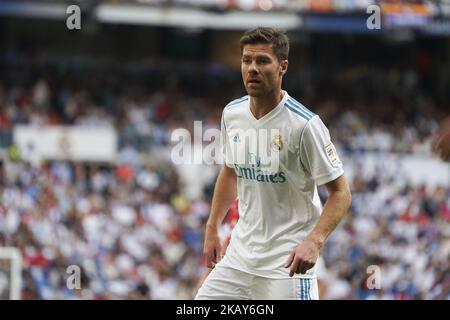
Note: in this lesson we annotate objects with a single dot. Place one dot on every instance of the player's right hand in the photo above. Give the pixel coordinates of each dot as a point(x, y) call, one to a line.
point(212, 248)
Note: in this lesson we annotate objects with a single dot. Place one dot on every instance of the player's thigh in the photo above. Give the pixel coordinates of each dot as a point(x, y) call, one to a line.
point(225, 283)
point(286, 289)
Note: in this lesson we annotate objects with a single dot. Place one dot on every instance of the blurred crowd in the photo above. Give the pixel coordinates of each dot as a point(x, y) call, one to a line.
point(395, 230)
point(132, 233)
point(368, 108)
point(275, 5)
point(135, 228)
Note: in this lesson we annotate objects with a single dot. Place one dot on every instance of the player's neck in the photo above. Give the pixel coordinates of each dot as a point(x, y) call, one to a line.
point(260, 106)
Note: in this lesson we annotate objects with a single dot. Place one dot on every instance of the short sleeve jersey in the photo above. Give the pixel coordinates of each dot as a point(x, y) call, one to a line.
point(279, 160)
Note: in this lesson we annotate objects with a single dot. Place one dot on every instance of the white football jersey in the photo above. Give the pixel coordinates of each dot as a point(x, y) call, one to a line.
point(279, 160)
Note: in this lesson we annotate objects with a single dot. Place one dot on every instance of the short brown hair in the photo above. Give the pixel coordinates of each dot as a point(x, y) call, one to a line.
point(275, 37)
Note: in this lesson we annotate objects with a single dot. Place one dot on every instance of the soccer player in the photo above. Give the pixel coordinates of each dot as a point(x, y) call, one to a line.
point(282, 226)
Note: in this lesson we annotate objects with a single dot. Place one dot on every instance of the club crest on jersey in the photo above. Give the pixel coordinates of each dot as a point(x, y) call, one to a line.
point(277, 142)
point(236, 138)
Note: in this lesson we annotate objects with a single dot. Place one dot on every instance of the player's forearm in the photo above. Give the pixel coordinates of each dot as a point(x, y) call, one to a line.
point(224, 195)
point(334, 210)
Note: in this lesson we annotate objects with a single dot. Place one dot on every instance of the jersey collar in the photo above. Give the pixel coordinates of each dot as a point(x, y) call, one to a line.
point(269, 115)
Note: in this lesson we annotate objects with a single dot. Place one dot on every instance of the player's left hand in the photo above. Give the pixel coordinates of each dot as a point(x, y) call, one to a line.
point(303, 257)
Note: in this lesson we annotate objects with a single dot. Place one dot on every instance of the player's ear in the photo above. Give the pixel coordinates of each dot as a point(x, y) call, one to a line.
point(283, 67)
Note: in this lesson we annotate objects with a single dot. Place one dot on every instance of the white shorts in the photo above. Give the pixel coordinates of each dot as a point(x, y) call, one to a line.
point(225, 283)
